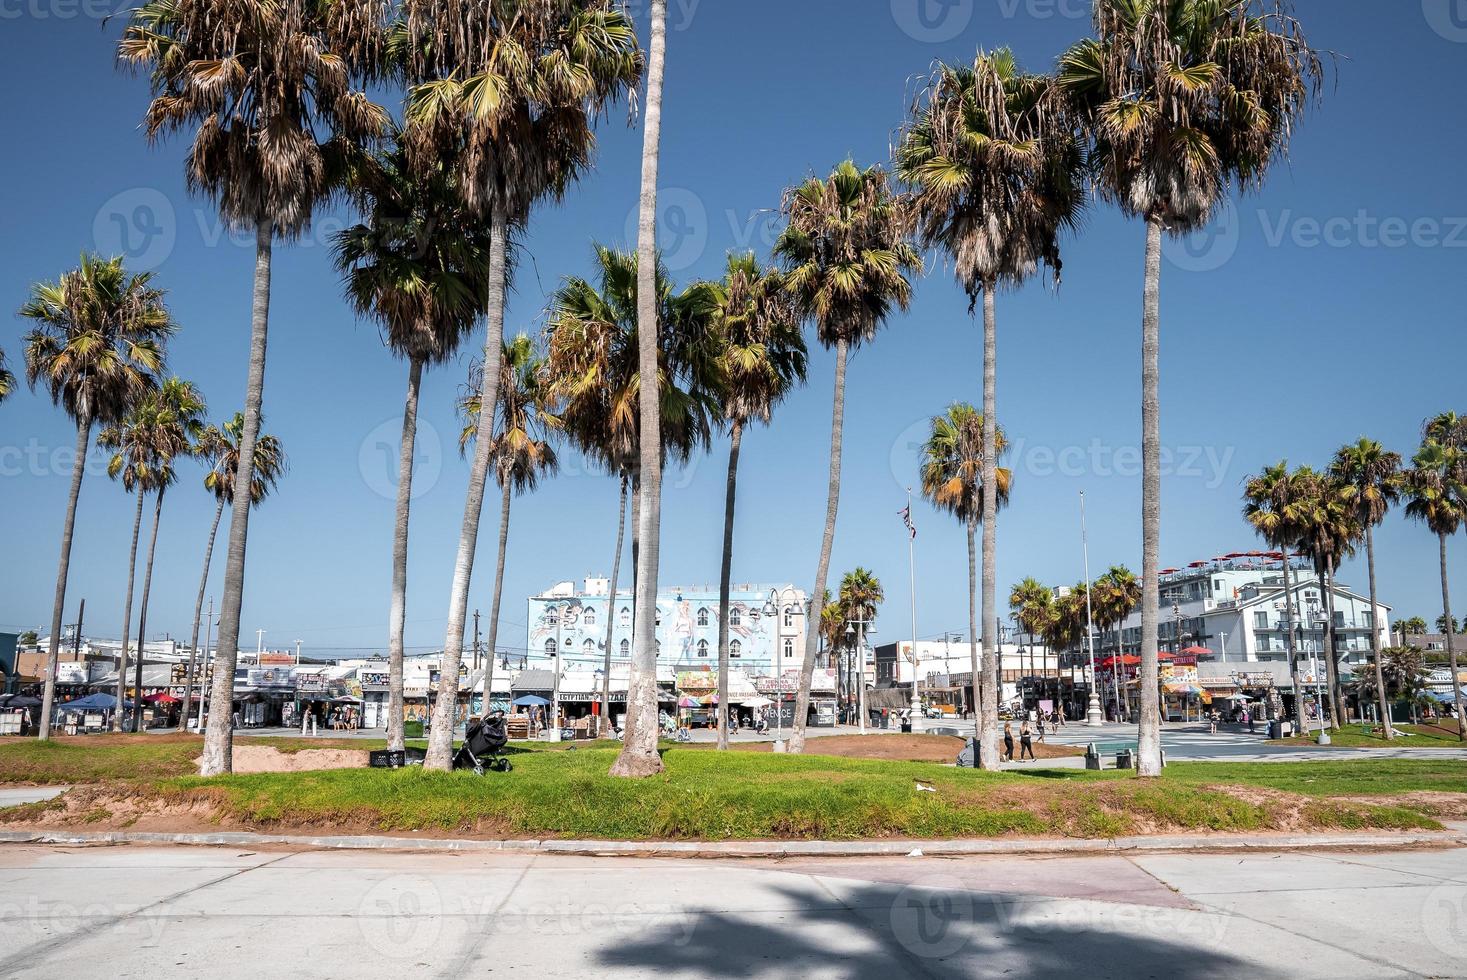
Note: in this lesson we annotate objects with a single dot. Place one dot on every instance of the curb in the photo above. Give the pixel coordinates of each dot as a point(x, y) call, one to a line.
point(765, 849)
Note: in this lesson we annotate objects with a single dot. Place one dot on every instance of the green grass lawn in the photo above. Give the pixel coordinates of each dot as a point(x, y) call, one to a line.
point(1356, 737)
point(741, 795)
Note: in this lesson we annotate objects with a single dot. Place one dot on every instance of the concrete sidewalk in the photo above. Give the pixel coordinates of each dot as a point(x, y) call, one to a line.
point(1452, 837)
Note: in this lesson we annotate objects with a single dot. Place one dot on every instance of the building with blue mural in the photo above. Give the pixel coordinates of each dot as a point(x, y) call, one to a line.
point(766, 626)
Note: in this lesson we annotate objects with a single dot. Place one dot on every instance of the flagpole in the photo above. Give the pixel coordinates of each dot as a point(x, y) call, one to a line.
point(912, 577)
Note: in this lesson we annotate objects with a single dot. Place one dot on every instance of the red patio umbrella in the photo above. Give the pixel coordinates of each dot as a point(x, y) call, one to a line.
point(1195, 651)
point(161, 698)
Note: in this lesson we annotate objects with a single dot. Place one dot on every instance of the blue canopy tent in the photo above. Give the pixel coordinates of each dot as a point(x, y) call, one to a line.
point(93, 702)
point(531, 701)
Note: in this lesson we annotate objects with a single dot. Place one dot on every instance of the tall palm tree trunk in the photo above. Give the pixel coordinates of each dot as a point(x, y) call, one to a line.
point(137, 714)
point(193, 646)
point(397, 617)
point(132, 573)
point(219, 732)
point(639, 749)
point(1336, 686)
point(1452, 646)
point(621, 526)
point(445, 710)
point(981, 679)
point(63, 568)
point(1293, 654)
point(988, 757)
point(822, 568)
point(736, 436)
point(1380, 692)
point(1149, 725)
point(504, 503)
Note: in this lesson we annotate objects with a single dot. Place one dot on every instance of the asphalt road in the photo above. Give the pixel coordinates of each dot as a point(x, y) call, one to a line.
point(219, 913)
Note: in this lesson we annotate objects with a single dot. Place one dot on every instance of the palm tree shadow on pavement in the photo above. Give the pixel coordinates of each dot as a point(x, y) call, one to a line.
point(884, 931)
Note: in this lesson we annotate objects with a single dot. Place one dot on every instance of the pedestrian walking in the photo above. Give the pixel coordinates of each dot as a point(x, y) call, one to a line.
point(1026, 743)
point(1249, 719)
point(1212, 722)
point(1008, 741)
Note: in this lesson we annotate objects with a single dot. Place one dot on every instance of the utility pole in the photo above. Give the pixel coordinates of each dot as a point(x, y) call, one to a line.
point(259, 644)
point(81, 614)
point(204, 675)
point(1093, 716)
point(297, 653)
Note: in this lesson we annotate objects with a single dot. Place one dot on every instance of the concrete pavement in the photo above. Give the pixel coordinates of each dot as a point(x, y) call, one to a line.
point(227, 913)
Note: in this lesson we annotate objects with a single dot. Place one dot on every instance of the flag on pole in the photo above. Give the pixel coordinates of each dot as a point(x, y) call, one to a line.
point(906, 513)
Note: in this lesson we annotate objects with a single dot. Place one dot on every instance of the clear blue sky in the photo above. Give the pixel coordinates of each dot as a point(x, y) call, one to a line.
point(1287, 336)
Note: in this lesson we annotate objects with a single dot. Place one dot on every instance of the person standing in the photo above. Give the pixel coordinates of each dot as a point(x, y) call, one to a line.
point(1008, 741)
point(1026, 743)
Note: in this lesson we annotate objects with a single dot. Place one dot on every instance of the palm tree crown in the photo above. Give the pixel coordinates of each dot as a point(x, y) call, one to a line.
point(1033, 605)
point(98, 344)
point(220, 447)
point(1184, 97)
point(522, 454)
point(846, 253)
point(996, 169)
point(261, 82)
point(593, 369)
point(7, 380)
point(860, 594)
point(162, 427)
point(418, 262)
point(952, 464)
point(1368, 477)
point(1435, 490)
point(762, 352)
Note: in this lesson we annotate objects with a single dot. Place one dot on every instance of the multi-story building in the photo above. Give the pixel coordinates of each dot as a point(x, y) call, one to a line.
point(766, 626)
point(1234, 607)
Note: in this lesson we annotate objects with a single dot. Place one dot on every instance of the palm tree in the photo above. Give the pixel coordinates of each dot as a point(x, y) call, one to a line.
point(846, 258)
point(7, 380)
point(1181, 99)
point(416, 265)
point(1415, 626)
point(860, 593)
point(1369, 479)
point(1329, 528)
point(97, 347)
point(1268, 505)
point(1437, 497)
point(177, 409)
point(1444, 625)
point(639, 756)
point(953, 460)
point(995, 168)
point(522, 455)
point(218, 448)
point(1034, 608)
point(762, 357)
point(513, 90)
point(276, 99)
point(161, 428)
point(1119, 593)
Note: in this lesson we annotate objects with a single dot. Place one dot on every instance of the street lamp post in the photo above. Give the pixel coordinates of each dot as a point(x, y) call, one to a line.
point(858, 629)
point(1093, 716)
point(555, 665)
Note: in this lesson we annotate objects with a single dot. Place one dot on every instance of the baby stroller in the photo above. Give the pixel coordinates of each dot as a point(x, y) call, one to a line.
point(483, 742)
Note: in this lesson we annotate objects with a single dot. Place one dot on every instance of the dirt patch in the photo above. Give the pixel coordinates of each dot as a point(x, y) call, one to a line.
point(900, 748)
point(267, 758)
point(1451, 806)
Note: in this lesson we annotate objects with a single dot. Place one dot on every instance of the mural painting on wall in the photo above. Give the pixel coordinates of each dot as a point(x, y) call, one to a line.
point(687, 628)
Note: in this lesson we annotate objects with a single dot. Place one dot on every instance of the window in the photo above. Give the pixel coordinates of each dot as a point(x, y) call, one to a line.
point(789, 615)
point(552, 616)
point(734, 618)
point(702, 648)
point(1260, 620)
point(550, 647)
point(789, 648)
point(588, 617)
point(753, 619)
point(735, 648)
point(626, 648)
point(658, 650)
point(626, 616)
point(1339, 619)
point(1368, 620)
point(703, 617)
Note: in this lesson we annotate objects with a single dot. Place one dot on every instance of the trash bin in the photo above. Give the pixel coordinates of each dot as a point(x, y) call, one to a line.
point(1275, 729)
point(906, 728)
